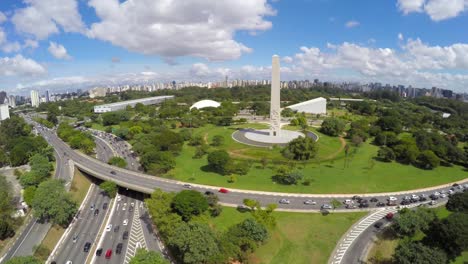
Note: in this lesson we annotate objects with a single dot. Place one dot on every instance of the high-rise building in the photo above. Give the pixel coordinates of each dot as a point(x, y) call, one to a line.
point(12, 101)
point(34, 98)
point(3, 97)
point(4, 112)
point(47, 96)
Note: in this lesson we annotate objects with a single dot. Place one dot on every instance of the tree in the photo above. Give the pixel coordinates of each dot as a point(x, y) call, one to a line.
point(450, 234)
point(24, 260)
point(458, 202)
point(386, 138)
point(218, 160)
point(194, 243)
point(264, 162)
point(385, 154)
point(413, 252)
point(288, 177)
point(301, 148)
point(157, 162)
point(252, 204)
point(28, 194)
point(118, 161)
point(51, 201)
point(143, 256)
point(188, 203)
point(218, 140)
point(6, 230)
point(6, 198)
point(109, 187)
point(196, 141)
point(357, 140)
point(390, 123)
point(411, 221)
point(428, 160)
point(332, 126)
point(244, 238)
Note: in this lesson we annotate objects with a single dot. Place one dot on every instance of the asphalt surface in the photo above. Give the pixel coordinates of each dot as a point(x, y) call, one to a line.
point(35, 231)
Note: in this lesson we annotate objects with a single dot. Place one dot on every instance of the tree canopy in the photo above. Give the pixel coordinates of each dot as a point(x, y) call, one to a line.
point(188, 203)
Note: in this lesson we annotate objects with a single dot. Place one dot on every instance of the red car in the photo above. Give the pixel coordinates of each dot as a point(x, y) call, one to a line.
point(389, 216)
point(222, 190)
point(108, 253)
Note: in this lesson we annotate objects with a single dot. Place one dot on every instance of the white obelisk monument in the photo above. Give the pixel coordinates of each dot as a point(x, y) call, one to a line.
point(275, 107)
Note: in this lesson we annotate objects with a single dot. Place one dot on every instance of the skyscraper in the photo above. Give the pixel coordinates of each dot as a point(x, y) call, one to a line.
point(47, 96)
point(12, 101)
point(3, 96)
point(34, 98)
point(4, 112)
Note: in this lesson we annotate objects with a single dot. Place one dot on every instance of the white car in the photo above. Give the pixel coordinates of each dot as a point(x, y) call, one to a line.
point(392, 198)
point(310, 202)
point(108, 227)
point(119, 198)
point(414, 197)
point(284, 201)
point(124, 206)
point(443, 195)
point(188, 186)
point(125, 222)
point(348, 201)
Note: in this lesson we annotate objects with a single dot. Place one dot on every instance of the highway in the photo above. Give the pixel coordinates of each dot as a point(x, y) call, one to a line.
point(146, 184)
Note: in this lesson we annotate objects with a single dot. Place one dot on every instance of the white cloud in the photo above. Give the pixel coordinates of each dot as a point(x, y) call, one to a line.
point(2, 36)
point(3, 18)
point(400, 36)
point(352, 23)
point(42, 18)
point(436, 9)
point(20, 66)
point(408, 6)
point(10, 47)
point(29, 43)
point(199, 28)
point(58, 51)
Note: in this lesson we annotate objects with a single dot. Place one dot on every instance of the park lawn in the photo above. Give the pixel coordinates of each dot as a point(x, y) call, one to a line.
point(297, 238)
point(359, 173)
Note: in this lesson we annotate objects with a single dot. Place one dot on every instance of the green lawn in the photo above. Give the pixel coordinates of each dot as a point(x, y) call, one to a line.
point(331, 172)
point(298, 237)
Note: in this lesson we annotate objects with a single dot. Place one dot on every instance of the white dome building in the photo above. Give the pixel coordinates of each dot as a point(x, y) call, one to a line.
point(204, 104)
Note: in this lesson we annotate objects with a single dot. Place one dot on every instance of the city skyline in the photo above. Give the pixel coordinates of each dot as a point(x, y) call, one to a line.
point(81, 45)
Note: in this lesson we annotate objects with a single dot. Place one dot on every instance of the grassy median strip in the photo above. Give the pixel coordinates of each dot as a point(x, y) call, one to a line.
point(79, 188)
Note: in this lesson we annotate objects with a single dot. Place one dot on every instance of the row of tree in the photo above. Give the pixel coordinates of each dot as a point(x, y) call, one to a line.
point(76, 139)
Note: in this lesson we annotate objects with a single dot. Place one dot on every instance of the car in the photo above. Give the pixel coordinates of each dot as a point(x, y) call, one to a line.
point(363, 201)
point(450, 192)
point(348, 201)
point(392, 198)
point(284, 201)
point(455, 184)
point(92, 207)
point(125, 235)
point(437, 193)
point(433, 202)
point(443, 195)
point(132, 204)
point(75, 238)
point(356, 197)
point(130, 209)
point(405, 202)
point(389, 216)
point(310, 202)
point(326, 207)
point(96, 212)
point(125, 222)
point(222, 190)
point(209, 193)
point(188, 186)
point(108, 253)
point(351, 206)
point(378, 225)
point(374, 200)
point(104, 206)
point(380, 204)
point(108, 227)
point(414, 197)
point(113, 172)
point(69, 262)
point(363, 205)
point(116, 228)
point(99, 252)
point(124, 207)
point(423, 197)
point(118, 249)
point(119, 198)
point(87, 246)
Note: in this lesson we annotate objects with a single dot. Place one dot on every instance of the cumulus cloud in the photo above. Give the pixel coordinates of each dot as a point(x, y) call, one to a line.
point(200, 28)
point(436, 9)
point(352, 23)
point(41, 18)
point(20, 66)
point(29, 43)
point(10, 47)
point(58, 51)
point(3, 18)
point(2, 36)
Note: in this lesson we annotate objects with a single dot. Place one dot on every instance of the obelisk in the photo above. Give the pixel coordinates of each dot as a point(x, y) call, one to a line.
point(275, 107)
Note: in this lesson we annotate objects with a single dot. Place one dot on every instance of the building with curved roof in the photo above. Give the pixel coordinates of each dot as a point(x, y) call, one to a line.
point(314, 106)
point(204, 104)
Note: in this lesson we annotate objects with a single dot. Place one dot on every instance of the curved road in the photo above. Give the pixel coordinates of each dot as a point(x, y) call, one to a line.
point(146, 184)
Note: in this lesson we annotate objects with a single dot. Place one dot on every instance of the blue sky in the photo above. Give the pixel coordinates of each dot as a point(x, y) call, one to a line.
point(64, 44)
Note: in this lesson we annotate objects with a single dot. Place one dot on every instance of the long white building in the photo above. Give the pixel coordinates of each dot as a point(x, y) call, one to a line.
point(314, 106)
point(122, 105)
point(35, 98)
point(4, 112)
